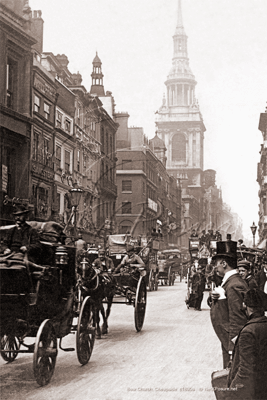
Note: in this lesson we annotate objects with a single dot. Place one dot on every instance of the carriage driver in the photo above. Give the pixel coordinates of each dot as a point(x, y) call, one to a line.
point(130, 258)
point(22, 238)
point(103, 263)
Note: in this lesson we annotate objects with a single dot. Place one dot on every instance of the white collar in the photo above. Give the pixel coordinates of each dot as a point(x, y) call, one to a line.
point(227, 275)
point(265, 270)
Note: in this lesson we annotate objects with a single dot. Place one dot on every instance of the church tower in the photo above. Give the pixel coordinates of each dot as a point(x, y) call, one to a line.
point(179, 121)
point(97, 86)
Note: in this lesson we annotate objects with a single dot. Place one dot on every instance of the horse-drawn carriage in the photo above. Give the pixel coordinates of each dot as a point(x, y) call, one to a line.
point(169, 266)
point(130, 282)
point(42, 301)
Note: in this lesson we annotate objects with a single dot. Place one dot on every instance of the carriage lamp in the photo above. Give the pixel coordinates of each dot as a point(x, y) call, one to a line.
point(85, 266)
point(61, 258)
point(253, 230)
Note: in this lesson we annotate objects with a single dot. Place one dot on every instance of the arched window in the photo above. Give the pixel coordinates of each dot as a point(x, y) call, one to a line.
point(178, 147)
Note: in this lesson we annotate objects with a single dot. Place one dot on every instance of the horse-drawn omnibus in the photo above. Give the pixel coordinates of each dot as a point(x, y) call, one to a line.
point(42, 302)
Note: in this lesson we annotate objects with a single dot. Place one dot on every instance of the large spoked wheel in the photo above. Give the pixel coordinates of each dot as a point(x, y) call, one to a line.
point(9, 347)
point(45, 353)
point(85, 337)
point(140, 304)
point(150, 281)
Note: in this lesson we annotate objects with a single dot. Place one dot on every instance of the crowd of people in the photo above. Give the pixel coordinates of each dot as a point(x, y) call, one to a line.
point(238, 302)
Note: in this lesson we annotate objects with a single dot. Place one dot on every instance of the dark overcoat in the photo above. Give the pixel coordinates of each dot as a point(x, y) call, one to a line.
point(227, 315)
point(252, 284)
point(26, 236)
point(261, 279)
point(249, 367)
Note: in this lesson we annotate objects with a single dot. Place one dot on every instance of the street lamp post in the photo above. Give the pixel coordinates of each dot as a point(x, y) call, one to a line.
point(75, 194)
point(253, 230)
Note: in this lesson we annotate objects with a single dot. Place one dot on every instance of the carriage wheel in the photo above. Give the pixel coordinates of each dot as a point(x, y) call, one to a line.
point(45, 353)
point(85, 336)
point(9, 346)
point(140, 304)
point(150, 281)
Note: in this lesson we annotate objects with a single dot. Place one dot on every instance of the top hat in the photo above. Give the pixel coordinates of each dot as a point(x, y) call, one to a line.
point(226, 249)
point(20, 209)
point(253, 298)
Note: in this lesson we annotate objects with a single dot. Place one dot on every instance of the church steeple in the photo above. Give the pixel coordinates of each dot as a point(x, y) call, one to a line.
point(180, 81)
point(97, 86)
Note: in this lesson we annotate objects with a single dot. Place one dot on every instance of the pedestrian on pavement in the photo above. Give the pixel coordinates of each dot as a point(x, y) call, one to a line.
point(227, 314)
point(198, 287)
point(248, 375)
point(23, 238)
point(245, 271)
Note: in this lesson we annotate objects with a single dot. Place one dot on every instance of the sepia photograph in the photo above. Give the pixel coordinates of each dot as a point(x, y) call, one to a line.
point(133, 213)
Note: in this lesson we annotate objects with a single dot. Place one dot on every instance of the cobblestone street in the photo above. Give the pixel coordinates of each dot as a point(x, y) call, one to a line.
point(171, 358)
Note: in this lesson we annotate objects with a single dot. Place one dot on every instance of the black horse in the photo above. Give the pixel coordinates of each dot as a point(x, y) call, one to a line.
point(100, 287)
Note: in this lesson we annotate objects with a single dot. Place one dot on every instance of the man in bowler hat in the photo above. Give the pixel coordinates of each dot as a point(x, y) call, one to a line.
point(23, 238)
point(227, 314)
point(247, 378)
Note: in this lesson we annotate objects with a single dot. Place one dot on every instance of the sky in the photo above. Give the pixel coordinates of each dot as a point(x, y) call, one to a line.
point(227, 49)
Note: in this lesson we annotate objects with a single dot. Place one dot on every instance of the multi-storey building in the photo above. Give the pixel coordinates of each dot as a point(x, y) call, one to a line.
point(16, 40)
point(85, 151)
point(44, 98)
point(262, 179)
point(148, 197)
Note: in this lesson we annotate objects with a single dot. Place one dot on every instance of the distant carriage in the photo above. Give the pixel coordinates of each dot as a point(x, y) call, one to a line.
point(130, 284)
point(170, 266)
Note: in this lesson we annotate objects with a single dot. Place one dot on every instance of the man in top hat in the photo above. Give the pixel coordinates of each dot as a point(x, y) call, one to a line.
point(245, 271)
point(130, 258)
point(227, 314)
point(248, 375)
point(23, 238)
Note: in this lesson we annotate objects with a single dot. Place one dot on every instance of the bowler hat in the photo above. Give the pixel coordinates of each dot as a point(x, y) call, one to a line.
point(20, 209)
point(253, 298)
point(244, 263)
point(226, 249)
